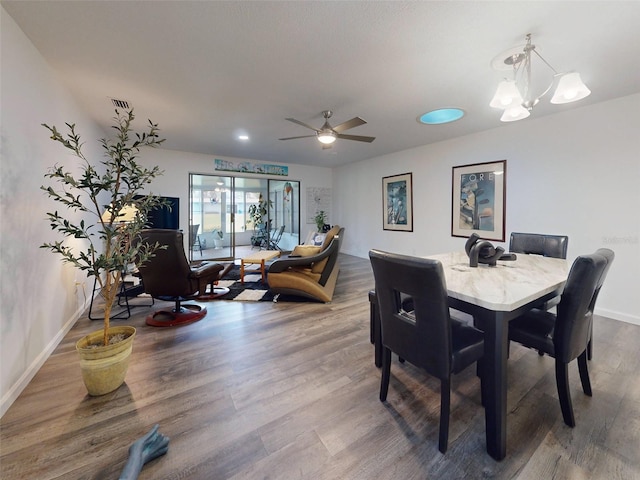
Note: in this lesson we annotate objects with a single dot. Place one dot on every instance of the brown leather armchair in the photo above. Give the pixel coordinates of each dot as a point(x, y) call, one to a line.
point(169, 276)
point(309, 271)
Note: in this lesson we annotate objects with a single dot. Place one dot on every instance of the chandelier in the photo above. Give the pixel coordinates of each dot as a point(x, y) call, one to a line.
point(515, 97)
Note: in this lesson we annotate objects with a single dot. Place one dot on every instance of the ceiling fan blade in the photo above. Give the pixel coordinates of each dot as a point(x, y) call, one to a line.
point(358, 138)
point(293, 138)
point(302, 124)
point(354, 122)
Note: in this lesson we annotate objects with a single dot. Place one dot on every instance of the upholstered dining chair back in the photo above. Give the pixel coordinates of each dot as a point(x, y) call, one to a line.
point(609, 256)
point(573, 322)
point(423, 336)
point(539, 244)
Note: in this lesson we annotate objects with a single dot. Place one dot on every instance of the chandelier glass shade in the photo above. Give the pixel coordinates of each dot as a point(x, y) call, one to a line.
point(570, 89)
point(514, 96)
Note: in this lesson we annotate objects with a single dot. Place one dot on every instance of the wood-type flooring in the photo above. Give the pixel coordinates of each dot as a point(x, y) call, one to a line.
point(261, 390)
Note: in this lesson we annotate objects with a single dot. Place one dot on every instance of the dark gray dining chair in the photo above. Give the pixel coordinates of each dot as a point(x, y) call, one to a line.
point(540, 244)
point(609, 256)
point(427, 337)
point(565, 335)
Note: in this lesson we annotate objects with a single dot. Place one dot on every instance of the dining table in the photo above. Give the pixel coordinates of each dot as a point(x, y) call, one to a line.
point(495, 295)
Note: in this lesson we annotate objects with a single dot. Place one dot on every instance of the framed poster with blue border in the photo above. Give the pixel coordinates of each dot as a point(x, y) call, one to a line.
point(478, 200)
point(397, 203)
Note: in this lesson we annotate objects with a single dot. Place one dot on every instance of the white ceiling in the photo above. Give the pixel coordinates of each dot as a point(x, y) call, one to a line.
point(206, 70)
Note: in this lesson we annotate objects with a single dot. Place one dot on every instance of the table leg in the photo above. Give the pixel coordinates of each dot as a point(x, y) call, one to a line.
point(262, 270)
point(241, 272)
point(496, 342)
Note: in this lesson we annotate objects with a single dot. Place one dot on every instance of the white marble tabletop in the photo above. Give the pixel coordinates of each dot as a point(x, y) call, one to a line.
point(508, 285)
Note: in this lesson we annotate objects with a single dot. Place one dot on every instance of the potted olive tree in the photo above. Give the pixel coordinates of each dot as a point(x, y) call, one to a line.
point(111, 194)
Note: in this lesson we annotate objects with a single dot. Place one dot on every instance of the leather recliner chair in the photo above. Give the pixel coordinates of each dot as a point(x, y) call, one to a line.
point(168, 275)
point(309, 271)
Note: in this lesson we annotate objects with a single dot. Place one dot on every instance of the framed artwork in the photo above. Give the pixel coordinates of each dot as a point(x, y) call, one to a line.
point(397, 203)
point(478, 200)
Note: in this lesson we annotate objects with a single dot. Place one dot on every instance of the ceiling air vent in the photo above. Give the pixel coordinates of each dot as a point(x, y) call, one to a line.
point(120, 104)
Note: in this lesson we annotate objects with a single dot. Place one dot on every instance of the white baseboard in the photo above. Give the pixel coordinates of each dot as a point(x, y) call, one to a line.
point(623, 317)
point(16, 389)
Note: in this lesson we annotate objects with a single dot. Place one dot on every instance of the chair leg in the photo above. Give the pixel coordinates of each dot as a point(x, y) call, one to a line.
point(377, 341)
point(445, 401)
point(372, 321)
point(584, 373)
point(386, 373)
point(562, 382)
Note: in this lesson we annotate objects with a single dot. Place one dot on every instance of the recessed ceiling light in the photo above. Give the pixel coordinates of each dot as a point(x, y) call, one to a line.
point(243, 137)
point(442, 115)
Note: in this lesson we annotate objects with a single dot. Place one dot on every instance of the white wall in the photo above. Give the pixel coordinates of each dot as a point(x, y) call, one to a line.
point(39, 298)
point(574, 173)
point(178, 165)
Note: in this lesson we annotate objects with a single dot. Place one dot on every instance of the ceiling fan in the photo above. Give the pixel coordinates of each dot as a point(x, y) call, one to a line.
point(328, 134)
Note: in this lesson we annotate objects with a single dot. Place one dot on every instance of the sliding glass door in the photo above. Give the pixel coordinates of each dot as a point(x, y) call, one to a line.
point(231, 215)
point(210, 217)
point(284, 213)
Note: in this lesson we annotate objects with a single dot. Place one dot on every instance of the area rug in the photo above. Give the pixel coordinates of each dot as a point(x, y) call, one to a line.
point(252, 290)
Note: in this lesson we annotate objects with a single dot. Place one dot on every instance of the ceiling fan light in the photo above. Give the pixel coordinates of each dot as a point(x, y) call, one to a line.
point(327, 137)
point(506, 96)
point(512, 114)
point(570, 89)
